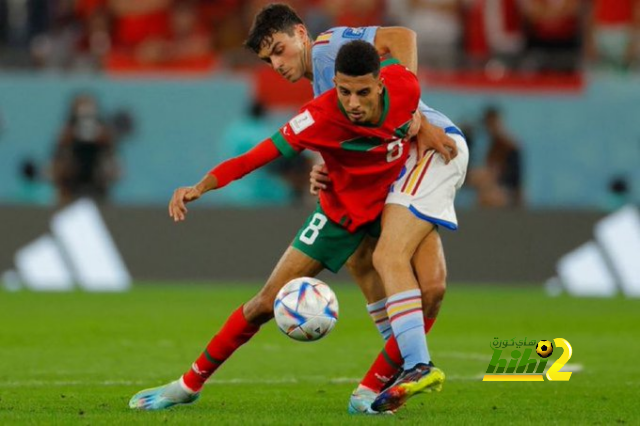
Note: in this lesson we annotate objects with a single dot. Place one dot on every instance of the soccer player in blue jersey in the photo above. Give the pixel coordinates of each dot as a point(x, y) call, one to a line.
point(408, 257)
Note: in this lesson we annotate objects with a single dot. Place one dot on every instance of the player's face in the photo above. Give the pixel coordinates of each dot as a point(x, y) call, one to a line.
point(360, 96)
point(285, 53)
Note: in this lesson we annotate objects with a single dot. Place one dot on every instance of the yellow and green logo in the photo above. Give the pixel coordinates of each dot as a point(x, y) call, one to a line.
point(522, 366)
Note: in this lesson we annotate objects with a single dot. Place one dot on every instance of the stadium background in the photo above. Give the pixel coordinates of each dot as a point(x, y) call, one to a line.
point(178, 114)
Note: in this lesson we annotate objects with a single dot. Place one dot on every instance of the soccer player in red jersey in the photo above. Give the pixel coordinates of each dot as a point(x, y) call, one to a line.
point(409, 255)
point(360, 129)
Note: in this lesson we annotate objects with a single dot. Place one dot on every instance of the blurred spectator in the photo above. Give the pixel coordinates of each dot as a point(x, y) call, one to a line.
point(186, 39)
point(355, 13)
point(22, 22)
point(493, 33)
point(138, 21)
point(95, 41)
point(176, 39)
point(614, 33)
point(438, 24)
point(499, 182)
point(227, 22)
point(84, 159)
point(33, 189)
point(555, 34)
point(261, 186)
point(79, 36)
point(191, 35)
point(56, 47)
point(504, 157)
point(317, 16)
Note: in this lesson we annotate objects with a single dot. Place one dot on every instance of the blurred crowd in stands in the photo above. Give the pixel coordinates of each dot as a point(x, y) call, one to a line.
point(84, 160)
point(488, 35)
point(458, 37)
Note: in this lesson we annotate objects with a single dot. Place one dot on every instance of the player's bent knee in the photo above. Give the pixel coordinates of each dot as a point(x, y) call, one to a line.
point(433, 293)
point(430, 278)
point(432, 297)
point(379, 262)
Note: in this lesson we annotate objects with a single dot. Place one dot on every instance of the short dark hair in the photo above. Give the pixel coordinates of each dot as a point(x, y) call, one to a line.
point(358, 58)
point(273, 18)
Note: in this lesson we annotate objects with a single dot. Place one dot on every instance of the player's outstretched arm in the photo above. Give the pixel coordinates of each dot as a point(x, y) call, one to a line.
point(187, 194)
point(221, 175)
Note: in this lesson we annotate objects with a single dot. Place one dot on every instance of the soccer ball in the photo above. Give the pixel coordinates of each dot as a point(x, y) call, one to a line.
point(544, 348)
point(306, 309)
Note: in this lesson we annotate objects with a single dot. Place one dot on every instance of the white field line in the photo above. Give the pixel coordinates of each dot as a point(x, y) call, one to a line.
point(292, 380)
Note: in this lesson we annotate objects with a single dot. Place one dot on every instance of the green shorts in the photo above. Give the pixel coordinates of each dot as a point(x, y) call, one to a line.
point(328, 242)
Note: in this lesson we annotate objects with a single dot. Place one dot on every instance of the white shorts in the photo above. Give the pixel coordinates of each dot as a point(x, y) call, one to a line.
point(428, 187)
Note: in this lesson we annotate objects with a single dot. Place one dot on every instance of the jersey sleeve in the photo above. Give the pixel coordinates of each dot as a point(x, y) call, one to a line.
point(325, 49)
point(300, 133)
point(235, 168)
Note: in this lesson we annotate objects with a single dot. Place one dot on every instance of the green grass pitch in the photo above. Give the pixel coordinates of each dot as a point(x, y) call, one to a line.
point(77, 359)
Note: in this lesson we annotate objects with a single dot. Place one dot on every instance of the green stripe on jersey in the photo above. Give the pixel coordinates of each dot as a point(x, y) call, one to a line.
point(402, 131)
point(362, 144)
point(283, 146)
point(390, 61)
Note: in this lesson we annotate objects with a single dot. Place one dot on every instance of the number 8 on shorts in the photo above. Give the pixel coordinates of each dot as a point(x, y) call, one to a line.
point(311, 232)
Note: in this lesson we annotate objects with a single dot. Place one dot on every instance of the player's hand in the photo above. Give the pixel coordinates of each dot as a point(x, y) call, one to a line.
point(182, 196)
point(319, 178)
point(440, 142)
point(414, 127)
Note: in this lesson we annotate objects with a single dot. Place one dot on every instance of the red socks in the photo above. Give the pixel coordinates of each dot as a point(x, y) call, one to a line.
point(428, 324)
point(237, 331)
point(233, 334)
point(388, 362)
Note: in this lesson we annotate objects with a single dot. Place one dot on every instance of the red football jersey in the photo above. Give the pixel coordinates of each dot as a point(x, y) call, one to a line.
point(363, 160)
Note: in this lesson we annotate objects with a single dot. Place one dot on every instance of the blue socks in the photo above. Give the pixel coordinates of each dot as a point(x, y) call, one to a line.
point(407, 321)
